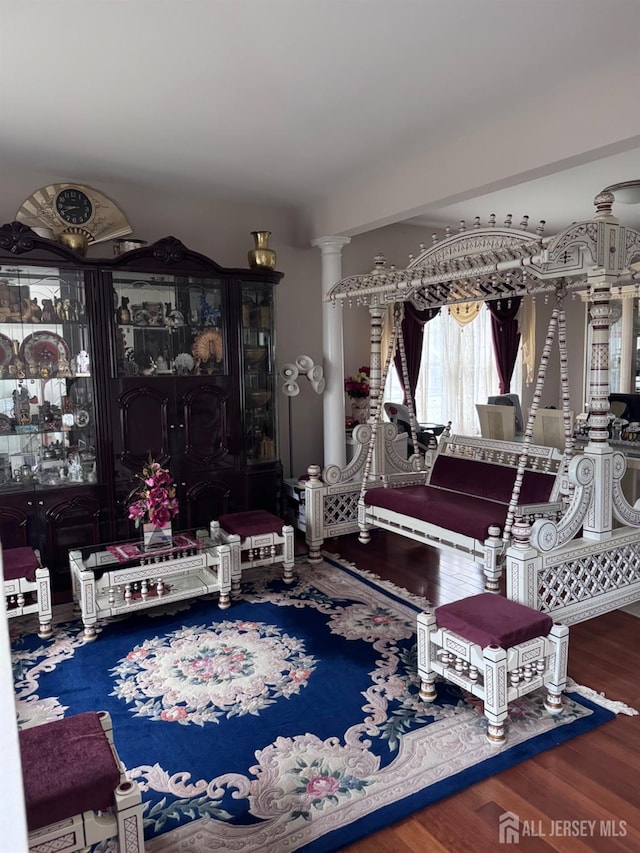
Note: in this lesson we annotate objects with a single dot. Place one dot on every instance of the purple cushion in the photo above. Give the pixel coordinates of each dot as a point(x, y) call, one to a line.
point(255, 522)
point(68, 768)
point(20, 563)
point(492, 482)
point(469, 516)
point(491, 620)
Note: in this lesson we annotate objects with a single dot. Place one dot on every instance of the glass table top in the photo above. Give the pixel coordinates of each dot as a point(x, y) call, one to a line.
point(133, 552)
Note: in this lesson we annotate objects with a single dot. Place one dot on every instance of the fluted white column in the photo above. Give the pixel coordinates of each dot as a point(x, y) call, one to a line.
point(335, 452)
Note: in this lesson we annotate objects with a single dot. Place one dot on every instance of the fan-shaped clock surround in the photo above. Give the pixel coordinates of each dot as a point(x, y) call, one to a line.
point(75, 210)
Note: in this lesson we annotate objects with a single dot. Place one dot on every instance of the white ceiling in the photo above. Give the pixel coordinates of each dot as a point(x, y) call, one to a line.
point(556, 199)
point(283, 101)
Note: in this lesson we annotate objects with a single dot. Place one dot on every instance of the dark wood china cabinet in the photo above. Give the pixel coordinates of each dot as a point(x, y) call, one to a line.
point(158, 352)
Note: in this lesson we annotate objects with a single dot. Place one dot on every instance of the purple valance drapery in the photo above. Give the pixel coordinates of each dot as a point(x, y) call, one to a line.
point(413, 332)
point(506, 337)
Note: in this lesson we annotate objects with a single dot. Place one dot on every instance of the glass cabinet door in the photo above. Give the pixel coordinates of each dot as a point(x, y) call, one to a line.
point(47, 417)
point(172, 379)
point(169, 325)
point(259, 385)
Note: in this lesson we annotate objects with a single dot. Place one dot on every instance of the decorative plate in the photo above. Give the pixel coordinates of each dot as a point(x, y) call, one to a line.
point(44, 346)
point(6, 350)
point(81, 418)
point(5, 424)
point(139, 315)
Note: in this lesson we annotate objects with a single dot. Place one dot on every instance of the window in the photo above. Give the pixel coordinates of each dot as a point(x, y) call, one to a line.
point(457, 371)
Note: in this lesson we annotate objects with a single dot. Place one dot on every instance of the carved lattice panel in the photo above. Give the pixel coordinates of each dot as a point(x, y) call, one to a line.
point(341, 509)
point(588, 577)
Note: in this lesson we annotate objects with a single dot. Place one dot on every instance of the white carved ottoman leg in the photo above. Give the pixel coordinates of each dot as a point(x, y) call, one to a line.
point(43, 594)
point(221, 537)
point(288, 553)
point(495, 692)
point(556, 680)
point(128, 809)
point(234, 543)
point(426, 627)
point(224, 576)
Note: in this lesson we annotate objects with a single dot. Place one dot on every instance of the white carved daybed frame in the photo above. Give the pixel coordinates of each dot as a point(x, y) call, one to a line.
point(577, 564)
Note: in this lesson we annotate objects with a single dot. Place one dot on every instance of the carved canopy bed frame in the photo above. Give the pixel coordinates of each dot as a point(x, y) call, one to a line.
point(575, 563)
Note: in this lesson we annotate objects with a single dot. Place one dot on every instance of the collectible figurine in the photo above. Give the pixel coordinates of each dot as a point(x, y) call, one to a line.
point(75, 469)
point(82, 362)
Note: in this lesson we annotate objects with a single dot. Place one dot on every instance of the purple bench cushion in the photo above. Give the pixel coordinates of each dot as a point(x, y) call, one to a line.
point(68, 768)
point(20, 563)
point(255, 522)
point(452, 511)
point(491, 620)
point(486, 480)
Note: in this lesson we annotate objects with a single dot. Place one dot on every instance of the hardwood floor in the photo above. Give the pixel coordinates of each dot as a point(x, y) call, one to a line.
point(592, 778)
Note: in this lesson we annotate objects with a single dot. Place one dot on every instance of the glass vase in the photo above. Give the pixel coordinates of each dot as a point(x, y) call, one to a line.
point(360, 409)
point(155, 537)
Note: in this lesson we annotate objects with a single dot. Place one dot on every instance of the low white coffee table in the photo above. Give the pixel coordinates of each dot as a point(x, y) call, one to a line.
point(118, 578)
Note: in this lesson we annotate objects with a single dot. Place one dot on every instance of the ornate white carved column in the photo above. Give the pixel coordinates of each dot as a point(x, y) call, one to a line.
point(335, 452)
point(599, 521)
point(609, 254)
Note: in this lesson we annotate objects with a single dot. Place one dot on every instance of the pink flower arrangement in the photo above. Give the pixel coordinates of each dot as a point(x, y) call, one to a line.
point(154, 500)
point(358, 385)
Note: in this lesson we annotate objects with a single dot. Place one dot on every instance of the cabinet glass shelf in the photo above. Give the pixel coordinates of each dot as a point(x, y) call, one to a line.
point(47, 430)
point(259, 379)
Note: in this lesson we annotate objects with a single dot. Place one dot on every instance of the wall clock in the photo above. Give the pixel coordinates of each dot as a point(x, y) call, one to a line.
point(76, 214)
point(74, 206)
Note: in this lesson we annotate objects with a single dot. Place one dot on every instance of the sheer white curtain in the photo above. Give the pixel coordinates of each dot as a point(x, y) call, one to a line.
point(457, 371)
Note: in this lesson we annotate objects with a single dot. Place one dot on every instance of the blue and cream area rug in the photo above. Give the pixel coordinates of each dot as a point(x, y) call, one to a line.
point(290, 721)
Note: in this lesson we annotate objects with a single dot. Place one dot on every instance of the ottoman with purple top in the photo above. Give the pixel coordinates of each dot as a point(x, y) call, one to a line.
point(256, 538)
point(27, 588)
point(76, 790)
point(497, 650)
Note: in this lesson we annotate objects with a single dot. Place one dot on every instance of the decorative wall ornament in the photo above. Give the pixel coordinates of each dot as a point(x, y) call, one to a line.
point(76, 214)
point(290, 373)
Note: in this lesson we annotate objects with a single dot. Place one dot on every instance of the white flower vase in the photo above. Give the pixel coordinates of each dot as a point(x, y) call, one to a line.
point(360, 409)
point(155, 537)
